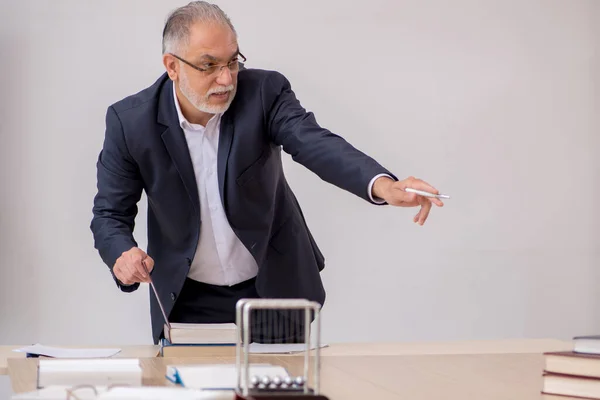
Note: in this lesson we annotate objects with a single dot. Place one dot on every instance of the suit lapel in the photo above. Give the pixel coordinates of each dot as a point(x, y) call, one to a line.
point(174, 140)
point(225, 138)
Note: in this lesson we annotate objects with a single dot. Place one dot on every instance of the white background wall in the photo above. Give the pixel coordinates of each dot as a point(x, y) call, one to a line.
point(495, 102)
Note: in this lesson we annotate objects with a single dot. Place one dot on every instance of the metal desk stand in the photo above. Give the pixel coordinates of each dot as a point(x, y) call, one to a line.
point(274, 388)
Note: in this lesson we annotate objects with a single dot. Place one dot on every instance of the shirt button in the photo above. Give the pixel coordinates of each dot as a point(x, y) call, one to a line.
point(173, 296)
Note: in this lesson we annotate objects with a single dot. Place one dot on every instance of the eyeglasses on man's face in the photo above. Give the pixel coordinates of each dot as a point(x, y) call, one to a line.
point(210, 69)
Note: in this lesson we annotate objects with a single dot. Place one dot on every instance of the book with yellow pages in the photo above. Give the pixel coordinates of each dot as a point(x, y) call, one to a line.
point(178, 333)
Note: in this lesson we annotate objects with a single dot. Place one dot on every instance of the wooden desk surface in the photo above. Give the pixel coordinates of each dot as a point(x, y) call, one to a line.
point(359, 349)
point(418, 377)
point(482, 370)
point(504, 346)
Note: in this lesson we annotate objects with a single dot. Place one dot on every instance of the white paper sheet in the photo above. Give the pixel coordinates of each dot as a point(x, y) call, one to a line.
point(59, 352)
point(127, 393)
point(166, 393)
point(56, 393)
point(285, 348)
point(218, 376)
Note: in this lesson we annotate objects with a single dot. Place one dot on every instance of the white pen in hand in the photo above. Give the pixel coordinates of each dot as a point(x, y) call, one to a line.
point(427, 194)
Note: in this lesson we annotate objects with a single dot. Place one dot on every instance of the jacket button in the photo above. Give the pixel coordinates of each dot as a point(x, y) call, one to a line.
point(189, 261)
point(173, 296)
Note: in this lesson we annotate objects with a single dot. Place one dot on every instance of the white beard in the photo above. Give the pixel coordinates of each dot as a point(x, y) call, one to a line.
point(201, 102)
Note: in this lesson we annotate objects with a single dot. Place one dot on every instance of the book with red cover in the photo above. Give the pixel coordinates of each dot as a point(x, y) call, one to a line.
point(571, 386)
point(571, 363)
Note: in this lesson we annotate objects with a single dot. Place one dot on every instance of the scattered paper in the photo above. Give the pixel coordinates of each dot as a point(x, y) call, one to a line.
point(126, 393)
point(285, 348)
point(165, 393)
point(59, 352)
point(57, 392)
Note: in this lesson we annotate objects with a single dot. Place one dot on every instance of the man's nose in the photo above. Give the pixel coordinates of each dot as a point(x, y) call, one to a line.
point(224, 78)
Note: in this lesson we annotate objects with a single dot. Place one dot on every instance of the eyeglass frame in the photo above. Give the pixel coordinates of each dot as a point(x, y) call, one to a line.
point(204, 70)
point(72, 396)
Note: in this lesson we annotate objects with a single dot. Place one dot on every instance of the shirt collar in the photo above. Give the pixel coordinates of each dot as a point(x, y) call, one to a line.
point(183, 122)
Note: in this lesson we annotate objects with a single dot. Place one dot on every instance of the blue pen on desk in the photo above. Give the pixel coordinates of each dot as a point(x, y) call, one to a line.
point(427, 194)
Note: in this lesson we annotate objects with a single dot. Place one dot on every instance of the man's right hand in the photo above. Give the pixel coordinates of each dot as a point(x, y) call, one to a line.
point(131, 267)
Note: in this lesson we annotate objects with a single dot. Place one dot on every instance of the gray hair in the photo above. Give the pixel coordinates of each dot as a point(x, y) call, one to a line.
point(177, 27)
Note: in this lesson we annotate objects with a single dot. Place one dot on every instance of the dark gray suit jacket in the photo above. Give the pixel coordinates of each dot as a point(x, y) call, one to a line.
point(145, 150)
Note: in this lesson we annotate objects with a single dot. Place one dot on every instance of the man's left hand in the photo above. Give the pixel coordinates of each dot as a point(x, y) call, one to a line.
point(393, 193)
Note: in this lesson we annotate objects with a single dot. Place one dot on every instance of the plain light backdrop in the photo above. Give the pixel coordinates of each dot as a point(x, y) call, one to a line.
point(494, 102)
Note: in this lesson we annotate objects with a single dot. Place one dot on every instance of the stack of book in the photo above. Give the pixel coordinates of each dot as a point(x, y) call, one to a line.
point(574, 373)
point(183, 340)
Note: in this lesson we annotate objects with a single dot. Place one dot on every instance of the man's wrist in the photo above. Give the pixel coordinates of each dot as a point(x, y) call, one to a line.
point(381, 186)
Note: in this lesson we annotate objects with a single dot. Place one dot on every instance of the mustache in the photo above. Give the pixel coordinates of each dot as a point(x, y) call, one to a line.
point(219, 90)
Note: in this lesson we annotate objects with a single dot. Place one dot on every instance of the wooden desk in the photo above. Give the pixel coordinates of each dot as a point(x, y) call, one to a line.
point(504, 346)
point(480, 370)
point(360, 349)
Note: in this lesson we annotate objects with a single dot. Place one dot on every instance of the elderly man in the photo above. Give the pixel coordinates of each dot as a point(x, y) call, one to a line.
point(204, 142)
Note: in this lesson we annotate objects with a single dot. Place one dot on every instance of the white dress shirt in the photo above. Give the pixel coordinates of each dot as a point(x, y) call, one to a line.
point(221, 258)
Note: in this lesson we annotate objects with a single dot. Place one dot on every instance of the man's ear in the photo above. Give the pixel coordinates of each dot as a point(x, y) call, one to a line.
point(171, 65)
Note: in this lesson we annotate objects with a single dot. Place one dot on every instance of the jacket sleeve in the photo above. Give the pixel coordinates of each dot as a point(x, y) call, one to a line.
point(326, 154)
point(119, 189)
